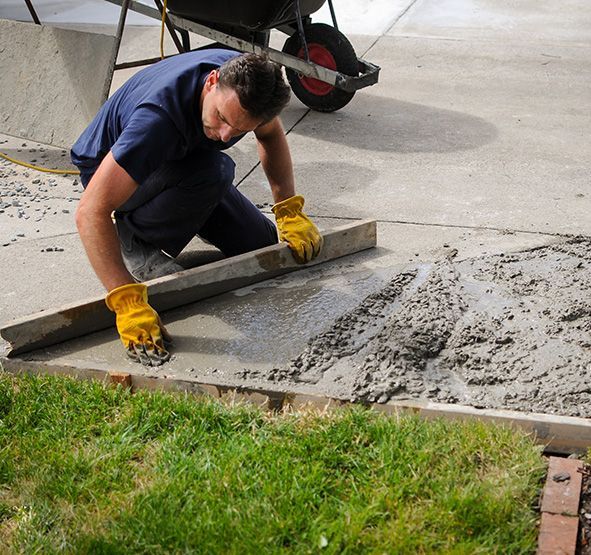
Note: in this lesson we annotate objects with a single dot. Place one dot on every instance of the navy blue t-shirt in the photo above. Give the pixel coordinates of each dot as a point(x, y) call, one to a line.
point(153, 118)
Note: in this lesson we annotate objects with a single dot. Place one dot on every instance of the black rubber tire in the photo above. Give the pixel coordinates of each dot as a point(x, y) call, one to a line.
point(344, 55)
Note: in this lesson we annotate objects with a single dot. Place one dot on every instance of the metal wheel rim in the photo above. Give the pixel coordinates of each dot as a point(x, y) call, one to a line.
point(321, 56)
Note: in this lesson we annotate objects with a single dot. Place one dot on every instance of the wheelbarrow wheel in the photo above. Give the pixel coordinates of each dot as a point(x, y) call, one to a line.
point(329, 48)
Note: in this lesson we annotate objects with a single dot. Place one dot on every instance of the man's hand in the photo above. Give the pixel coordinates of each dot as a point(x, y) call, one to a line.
point(296, 229)
point(139, 325)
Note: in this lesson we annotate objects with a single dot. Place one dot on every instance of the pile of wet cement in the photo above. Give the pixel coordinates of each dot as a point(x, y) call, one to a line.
point(507, 331)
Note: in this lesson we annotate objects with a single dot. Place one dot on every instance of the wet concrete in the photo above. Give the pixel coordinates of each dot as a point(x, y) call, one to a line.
point(253, 329)
point(506, 331)
point(510, 330)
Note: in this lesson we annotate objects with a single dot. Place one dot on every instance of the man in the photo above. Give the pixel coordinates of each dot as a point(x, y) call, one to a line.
point(152, 155)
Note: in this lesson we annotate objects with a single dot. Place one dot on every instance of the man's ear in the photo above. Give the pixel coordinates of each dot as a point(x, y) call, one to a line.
point(212, 79)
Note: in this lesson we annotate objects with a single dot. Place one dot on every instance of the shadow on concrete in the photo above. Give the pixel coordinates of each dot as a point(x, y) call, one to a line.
point(387, 125)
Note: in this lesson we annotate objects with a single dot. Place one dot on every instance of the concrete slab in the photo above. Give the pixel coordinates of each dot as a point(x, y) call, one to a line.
point(54, 80)
point(508, 331)
point(524, 22)
point(34, 278)
point(501, 143)
point(455, 133)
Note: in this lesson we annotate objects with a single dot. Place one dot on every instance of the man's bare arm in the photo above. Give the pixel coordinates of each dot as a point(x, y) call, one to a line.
point(294, 227)
point(276, 159)
point(108, 189)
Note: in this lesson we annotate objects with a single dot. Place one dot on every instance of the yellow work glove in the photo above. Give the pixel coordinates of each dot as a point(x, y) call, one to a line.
point(296, 229)
point(138, 324)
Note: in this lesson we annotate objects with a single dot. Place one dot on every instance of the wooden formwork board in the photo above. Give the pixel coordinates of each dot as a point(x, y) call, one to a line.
point(558, 434)
point(54, 326)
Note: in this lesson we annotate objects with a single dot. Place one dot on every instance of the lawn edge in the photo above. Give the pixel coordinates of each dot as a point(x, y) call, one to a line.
point(557, 434)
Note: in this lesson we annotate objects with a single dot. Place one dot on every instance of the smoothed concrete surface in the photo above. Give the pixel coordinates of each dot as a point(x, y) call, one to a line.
point(186, 287)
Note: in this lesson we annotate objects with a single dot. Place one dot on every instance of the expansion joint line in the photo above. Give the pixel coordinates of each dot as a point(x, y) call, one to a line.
point(400, 16)
point(453, 226)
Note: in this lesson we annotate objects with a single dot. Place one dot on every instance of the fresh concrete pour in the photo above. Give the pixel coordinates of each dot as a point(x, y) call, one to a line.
point(506, 331)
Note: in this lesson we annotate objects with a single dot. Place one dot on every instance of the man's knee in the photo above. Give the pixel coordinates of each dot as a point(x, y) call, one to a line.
point(227, 170)
point(210, 168)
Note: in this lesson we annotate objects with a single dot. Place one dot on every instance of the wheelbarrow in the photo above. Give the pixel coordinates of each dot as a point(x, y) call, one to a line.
point(320, 62)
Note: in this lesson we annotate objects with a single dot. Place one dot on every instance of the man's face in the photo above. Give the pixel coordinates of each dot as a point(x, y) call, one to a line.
point(223, 117)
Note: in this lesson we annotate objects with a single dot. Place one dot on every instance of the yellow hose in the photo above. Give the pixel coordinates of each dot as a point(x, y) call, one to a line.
point(38, 168)
point(162, 30)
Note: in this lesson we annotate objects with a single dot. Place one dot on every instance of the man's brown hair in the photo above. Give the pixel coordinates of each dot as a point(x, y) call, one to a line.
point(258, 83)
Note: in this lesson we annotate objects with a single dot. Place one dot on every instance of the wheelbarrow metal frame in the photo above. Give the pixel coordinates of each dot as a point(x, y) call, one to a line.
point(368, 72)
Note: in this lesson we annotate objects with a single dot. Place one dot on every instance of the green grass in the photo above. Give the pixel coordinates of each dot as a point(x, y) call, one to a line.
point(86, 468)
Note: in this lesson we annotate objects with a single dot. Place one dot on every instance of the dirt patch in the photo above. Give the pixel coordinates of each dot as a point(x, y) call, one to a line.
point(507, 331)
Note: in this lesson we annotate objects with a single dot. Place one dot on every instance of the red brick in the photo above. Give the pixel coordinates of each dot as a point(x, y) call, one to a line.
point(558, 535)
point(562, 498)
point(122, 378)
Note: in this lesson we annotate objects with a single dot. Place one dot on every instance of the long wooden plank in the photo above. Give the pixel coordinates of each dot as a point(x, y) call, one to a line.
point(54, 326)
point(558, 434)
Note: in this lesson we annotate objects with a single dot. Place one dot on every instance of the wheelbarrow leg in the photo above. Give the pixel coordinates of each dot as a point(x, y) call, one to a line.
point(33, 12)
point(333, 15)
point(300, 24)
point(185, 38)
point(116, 46)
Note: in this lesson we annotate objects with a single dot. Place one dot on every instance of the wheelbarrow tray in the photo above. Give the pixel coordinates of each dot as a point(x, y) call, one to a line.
point(254, 15)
